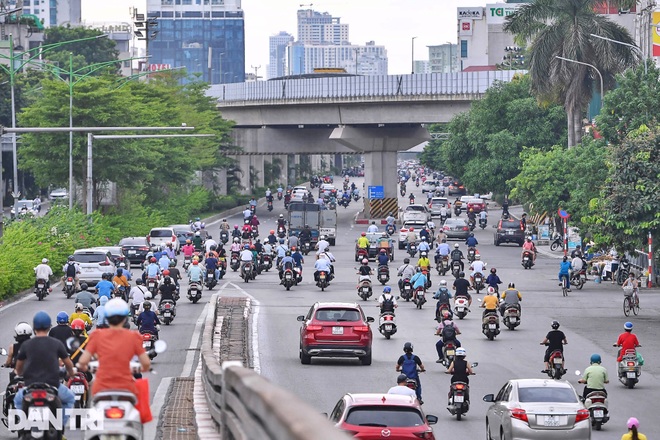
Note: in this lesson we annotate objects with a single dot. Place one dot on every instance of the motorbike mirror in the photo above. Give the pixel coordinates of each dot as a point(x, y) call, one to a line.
point(3, 352)
point(397, 297)
point(577, 372)
point(208, 237)
point(160, 346)
point(474, 364)
point(72, 344)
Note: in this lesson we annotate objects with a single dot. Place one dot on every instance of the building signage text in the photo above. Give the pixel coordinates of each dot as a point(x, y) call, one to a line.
point(497, 12)
point(473, 13)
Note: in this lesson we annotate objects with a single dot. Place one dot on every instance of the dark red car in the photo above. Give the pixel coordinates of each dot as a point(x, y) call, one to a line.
point(477, 205)
point(378, 416)
point(335, 329)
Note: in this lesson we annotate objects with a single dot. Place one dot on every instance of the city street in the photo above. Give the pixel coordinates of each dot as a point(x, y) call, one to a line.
point(591, 318)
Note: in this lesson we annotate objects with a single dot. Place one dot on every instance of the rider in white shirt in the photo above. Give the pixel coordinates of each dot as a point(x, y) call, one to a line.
point(372, 227)
point(208, 243)
point(247, 213)
point(577, 264)
point(483, 214)
point(322, 245)
point(477, 266)
point(390, 220)
point(268, 193)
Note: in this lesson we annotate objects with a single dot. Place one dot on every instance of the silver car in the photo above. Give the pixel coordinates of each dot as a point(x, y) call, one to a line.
point(537, 409)
point(456, 228)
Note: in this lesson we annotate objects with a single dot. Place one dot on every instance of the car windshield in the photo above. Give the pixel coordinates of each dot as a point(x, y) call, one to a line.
point(385, 416)
point(338, 315)
point(133, 242)
point(546, 395)
point(161, 233)
point(415, 208)
point(515, 224)
point(454, 222)
point(437, 205)
point(92, 257)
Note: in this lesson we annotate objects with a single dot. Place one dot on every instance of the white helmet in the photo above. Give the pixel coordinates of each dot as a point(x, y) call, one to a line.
point(460, 351)
point(236, 240)
point(147, 295)
point(477, 257)
point(78, 306)
point(44, 260)
point(281, 215)
point(443, 282)
point(491, 290)
point(23, 329)
point(322, 237)
point(456, 246)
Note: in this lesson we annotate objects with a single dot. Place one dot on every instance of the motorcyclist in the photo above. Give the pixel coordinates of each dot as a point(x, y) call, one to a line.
point(188, 249)
point(253, 203)
point(626, 340)
point(477, 266)
point(511, 298)
point(594, 377)
point(115, 347)
point(529, 246)
point(272, 238)
point(152, 270)
point(457, 255)
point(224, 226)
point(363, 241)
point(447, 330)
point(23, 332)
point(460, 370)
point(99, 314)
point(372, 227)
point(246, 231)
point(472, 216)
point(493, 280)
point(418, 280)
point(425, 235)
point(71, 270)
point(195, 273)
point(287, 263)
point(236, 245)
point(86, 298)
point(424, 263)
point(389, 220)
point(565, 272)
point(402, 388)
point(471, 241)
point(254, 222)
point(386, 301)
point(236, 233)
point(322, 265)
point(555, 339)
point(424, 246)
point(281, 249)
point(405, 271)
point(443, 295)
point(147, 321)
point(281, 222)
point(408, 364)
point(383, 258)
point(298, 258)
point(80, 313)
point(175, 273)
point(164, 262)
point(305, 235)
point(147, 302)
point(411, 198)
point(167, 290)
point(43, 272)
point(490, 304)
point(293, 240)
point(411, 237)
point(197, 242)
point(442, 251)
point(483, 215)
point(81, 337)
point(121, 282)
point(61, 331)
point(212, 265)
point(364, 270)
point(136, 296)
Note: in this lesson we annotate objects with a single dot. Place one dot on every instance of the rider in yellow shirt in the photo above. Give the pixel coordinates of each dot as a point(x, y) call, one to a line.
point(490, 303)
point(424, 263)
point(80, 314)
point(363, 241)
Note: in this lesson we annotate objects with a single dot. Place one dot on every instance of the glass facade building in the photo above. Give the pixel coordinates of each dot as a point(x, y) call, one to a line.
point(190, 34)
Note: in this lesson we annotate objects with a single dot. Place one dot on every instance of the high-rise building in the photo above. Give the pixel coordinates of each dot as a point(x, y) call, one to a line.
point(207, 37)
point(442, 58)
point(277, 54)
point(49, 12)
point(321, 28)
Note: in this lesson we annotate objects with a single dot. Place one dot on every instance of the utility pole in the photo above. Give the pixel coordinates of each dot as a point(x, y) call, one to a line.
point(145, 29)
point(256, 72)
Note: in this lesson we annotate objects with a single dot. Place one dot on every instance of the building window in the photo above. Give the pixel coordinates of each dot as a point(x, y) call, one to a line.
point(127, 64)
point(167, 2)
point(464, 48)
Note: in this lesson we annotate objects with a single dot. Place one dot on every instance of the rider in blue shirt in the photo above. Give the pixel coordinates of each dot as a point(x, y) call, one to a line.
point(212, 264)
point(471, 241)
point(147, 320)
point(105, 287)
point(424, 245)
point(383, 258)
point(564, 271)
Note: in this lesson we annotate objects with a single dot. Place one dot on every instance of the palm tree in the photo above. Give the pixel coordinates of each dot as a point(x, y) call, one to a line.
point(562, 28)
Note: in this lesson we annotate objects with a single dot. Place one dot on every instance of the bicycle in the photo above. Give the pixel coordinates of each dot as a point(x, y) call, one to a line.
point(630, 301)
point(565, 285)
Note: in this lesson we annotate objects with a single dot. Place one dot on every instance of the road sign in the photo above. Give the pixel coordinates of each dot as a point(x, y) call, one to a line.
point(376, 192)
point(15, 194)
point(563, 214)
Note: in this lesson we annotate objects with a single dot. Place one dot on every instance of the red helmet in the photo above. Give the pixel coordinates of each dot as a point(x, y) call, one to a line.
point(153, 259)
point(166, 272)
point(195, 262)
point(411, 229)
point(272, 232)
point(78, 324)
point(252, 247)
point(364, 234)
point(382, 251)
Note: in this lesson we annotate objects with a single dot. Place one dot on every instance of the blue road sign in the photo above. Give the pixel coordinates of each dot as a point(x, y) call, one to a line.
point(376, 192)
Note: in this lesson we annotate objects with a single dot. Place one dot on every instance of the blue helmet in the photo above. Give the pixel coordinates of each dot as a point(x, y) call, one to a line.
point(387, 289)
point(595, 359)
point(247, 246)
point(41, 321)
point(628, 326)
point(62, 318)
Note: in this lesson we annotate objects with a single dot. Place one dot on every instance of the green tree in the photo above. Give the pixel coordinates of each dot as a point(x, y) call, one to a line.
point(562, 28)
point(94, 51)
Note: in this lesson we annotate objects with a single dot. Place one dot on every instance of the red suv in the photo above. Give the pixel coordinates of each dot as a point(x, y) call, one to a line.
point(378, 416)
point(335, 329)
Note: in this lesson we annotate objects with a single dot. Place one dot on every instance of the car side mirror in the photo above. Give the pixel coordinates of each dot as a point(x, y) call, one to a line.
point(301, 318)
point(489, 398)
point(431, 420)
point(370, 319)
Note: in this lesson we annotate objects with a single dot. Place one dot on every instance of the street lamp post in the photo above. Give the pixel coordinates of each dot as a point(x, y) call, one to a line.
point(593, 67)
point(412, 61)
point(451, 57)
point(632, 46)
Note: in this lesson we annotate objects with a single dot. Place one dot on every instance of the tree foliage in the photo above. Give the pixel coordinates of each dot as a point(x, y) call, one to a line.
point(484, 144)
point(99, 50)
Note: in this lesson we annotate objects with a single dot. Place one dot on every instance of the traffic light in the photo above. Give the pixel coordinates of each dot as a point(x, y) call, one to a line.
point(145, 29)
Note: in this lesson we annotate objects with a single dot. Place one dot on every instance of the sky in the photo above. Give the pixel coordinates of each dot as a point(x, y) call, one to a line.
point(391, 23)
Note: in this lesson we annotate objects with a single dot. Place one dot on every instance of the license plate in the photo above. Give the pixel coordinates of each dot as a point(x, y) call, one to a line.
point(69, 283)
point(492, 326)
point(78, 389)
point(509, 232)
point(131, 252)
point(513, 320)
point(337, 330)
point(526, 258)
point(167, 314)
point(152, 285)
point(450, 352)
point(41, 286)
point(551, 421)
point(365, 289)
point(557, 361)
point(631, 375)
point(146, 344)
point(599, 413)
point(459, 399)
point(388, 327)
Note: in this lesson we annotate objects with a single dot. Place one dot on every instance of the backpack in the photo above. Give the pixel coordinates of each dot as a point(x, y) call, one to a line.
point(388, 304)
point(409, 366)
point(448, 332)
point(71, 270)
point(442, 296)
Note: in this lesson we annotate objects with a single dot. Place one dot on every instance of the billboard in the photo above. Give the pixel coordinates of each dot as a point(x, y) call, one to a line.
point(472, 13)
point(656, 34)
point(466, 27)
point(497, 12)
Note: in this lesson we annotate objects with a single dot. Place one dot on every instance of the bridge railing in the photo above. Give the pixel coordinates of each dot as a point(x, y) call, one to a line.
point(376, 87)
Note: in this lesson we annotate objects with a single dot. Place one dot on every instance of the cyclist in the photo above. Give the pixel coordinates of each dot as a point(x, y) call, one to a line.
point(565, 272)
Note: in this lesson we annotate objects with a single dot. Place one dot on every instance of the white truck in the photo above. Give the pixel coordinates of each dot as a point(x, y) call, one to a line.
point(321, 221)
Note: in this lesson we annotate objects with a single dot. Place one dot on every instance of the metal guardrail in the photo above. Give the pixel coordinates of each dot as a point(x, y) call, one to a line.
point(359, 88)
point(246, 406)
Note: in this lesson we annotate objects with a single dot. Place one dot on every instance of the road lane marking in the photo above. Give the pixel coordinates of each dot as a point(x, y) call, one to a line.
point(156, 407)
point(26, 297)
point(254, 337)
point(188, 366)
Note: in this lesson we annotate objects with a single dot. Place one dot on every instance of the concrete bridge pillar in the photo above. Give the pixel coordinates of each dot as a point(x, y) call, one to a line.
point(284, 170)
point(380, 146)
point(244, 175)
point(338, 162)
point(257, 165)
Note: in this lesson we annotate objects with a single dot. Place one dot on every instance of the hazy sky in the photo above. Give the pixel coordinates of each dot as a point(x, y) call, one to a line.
point(391, 23)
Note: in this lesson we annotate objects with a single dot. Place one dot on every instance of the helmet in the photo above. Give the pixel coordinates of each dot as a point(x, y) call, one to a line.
point(148, 295)
point(63, 318)
point(364, 234)
point(387, 289)
point(322, 237)
point(411, 229)
point(213, 247)
point(197, 234)
point(628, 326)
point(247, 246)
point(293, 248)
point(401, 378)
point(555, 325)
point(382, 251)
point(139, 282)
point(456, 246)
point(166, 272)
point(471, 234)
point(632, 422)
point(24, 329)
point(235, 226)
point(287, 253)
point(565, 259)
point(120, 272)
point(197, 219)
point(281, 215)
point(83, 286)
point(195, 262)
point(460, 351)
point(491, 290)
point(443, 282)
point(150, 254)
point(272, 232)
point(70, 258)
point(493, 270)
point(147, 304)
point(79, 306)
point(236, 240)
point(477, 257)
point(172, 263)
point(247, 222)
point(461, 275)
point(595, 359)
point(78, 324)
point(44, 260)
point(365, 261)
point(252, 247)
point(424, 239)
point(41, 321)
point(123, 265)
point(153, 259)
point(117, 307)
point(408, 346)
point(529, 238)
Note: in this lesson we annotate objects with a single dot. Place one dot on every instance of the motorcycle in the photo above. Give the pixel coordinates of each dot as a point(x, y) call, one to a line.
point(298, 274)
point(527, 260)
point(406, 291)
point(41, 290)
point(152, 286)
point(629, 369)
point(457, 210)
point(455, 268)
point(443, 266)
point(472, 224)
point(387, 324)
point(361, 254)
point(224, 237)
point(253, 209)
point(578, 278)
point(187, 261)
point(449, 352)
point(364, 290)
point(623, 271)
point(234, 262)
point(167, 310)
point(478, 284)
point(279, 195)
point(511, 317)
point(194, 292)
point(42, 398)
point(270, 205)
point(281, 232)
point(420, 299)
point(439, 311)
point(483, 223)
point(459, 397)
point(461, 308)
point(412, 200)
point(287, 201)
point(80, 388)
point(412, 249)
point(323, 281)
point(402, 191)
point(306, 247)
point(356, 197)
point(246, 272)
point(417, 182)
point(288, 279)
point(557, 243)
point(332, 205)
point(69, 287)
point(383, 274)
point(490, 325)
point(148, 340)
point(344, 202)
point(556, 362)
point(596, 404)
point(8, 401)
point(209, 279)
point(471, 254)
point(390, 230)
point(266, 262)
